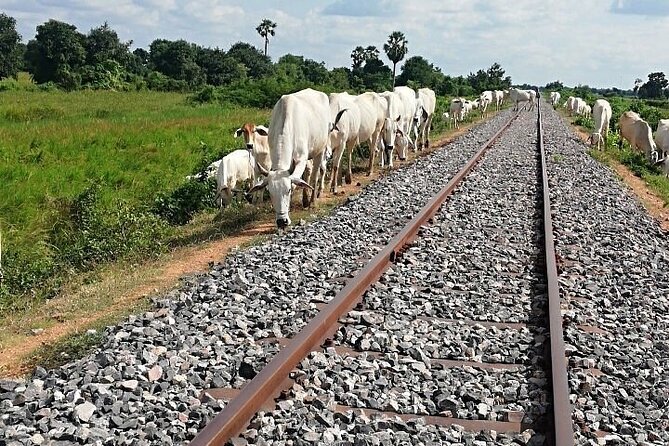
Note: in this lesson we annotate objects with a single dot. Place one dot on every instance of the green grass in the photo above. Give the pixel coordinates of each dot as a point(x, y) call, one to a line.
point(131, 147)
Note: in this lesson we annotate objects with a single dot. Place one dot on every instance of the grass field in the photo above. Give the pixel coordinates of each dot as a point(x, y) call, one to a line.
point(132, 146)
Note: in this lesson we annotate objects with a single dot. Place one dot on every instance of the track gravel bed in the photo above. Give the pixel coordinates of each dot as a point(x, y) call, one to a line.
point(614, 260)
point(143, 385)
point(479, 261)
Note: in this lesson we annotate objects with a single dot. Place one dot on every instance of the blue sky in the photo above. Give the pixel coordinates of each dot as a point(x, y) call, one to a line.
point(596, 42)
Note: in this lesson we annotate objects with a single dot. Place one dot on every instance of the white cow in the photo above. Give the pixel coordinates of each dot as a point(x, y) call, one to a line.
point(372, 116)
point(345, 136)
point(485, 99)
point(409, 104)
point(638, 133)
point(393, 136)
point(427, 102)
point(209, 172)
point(555, 98)
point(572, 105)
point(235, 168)
point(255, 137)
point(517, 96)
point(498, 98)
point(601, 113)
point(662, 142)
point(456, 109)
point(299, 127)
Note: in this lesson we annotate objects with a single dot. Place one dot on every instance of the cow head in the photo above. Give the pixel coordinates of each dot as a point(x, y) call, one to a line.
point(391, 128)
point(249, 131)
point(280, 184)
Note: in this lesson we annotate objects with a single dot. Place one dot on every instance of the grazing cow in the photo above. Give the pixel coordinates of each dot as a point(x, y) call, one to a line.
point(639, 134)
point(467, 108)
point(586, 111)
point(408, 125)
point(555, 98)
point(255, 137)
point(601, 113)
point(345, 136)
point(235, 168)
point(427, 101)
point(299, 127)
point(209, 172)
point(498, 98)
point(372, 110)
point(485, 99)
point(662, 143)
point(517, 96)
point(456, 109)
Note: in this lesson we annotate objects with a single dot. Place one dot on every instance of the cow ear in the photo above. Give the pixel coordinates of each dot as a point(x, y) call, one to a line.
point(262, 130)
point(259, 186)
point(237, 132)
point(299, 182)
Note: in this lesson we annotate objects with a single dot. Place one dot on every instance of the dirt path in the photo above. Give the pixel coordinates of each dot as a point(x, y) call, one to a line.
point(116, 294)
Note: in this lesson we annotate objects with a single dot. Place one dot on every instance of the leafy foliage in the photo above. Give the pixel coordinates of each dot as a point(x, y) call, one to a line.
point(10, 47)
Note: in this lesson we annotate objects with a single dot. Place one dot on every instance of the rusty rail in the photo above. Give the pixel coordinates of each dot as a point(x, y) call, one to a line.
point(269, 381)
point(562, 420)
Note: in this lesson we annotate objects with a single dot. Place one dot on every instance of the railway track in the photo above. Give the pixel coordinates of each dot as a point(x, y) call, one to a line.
point(449, 346)
point(438, 341)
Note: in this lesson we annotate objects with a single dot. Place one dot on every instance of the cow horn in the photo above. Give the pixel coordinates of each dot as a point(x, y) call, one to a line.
point(262, 169)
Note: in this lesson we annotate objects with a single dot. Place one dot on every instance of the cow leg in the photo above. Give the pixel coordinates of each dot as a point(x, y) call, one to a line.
point(334, 174)
point(349, 175)
point(306, 174)
point(315, 174)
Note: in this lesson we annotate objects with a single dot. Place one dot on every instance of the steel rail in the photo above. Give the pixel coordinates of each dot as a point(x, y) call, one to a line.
point(269, 381)
point(562, 419)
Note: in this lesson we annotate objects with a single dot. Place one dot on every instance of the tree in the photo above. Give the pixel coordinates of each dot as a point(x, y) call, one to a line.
point(57, 54)
point(396, 49)
point(418, 70)
point(358, 57)
point(553, 86)
point(266, 29)
point(103, 44)
point(257, 64)
point(176, 59)
point(10, 47)
point(496, 79)
point(361, 55)
point(655, 87)
point(376, 75)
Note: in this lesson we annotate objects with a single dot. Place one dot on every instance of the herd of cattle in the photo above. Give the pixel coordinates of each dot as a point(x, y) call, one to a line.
point(632, 128)
point(308, 128)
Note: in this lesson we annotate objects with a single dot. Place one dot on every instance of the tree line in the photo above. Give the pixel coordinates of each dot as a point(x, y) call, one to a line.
point(60, 56)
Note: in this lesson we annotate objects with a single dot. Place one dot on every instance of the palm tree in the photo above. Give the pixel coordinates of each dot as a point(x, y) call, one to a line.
point(396, 49)
point(266, 29)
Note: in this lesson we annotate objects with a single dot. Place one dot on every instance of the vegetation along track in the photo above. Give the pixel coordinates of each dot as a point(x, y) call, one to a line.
point(153, 379)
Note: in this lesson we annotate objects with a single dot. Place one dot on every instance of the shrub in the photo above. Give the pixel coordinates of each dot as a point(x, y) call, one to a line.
point(179, 206)
point(86, 234)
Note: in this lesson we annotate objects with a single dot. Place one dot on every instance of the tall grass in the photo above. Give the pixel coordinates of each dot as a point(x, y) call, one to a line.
point(119, 151)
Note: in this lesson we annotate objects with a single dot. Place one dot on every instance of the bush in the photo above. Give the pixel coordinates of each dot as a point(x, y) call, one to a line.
point(86, 234)
point(179, 206)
